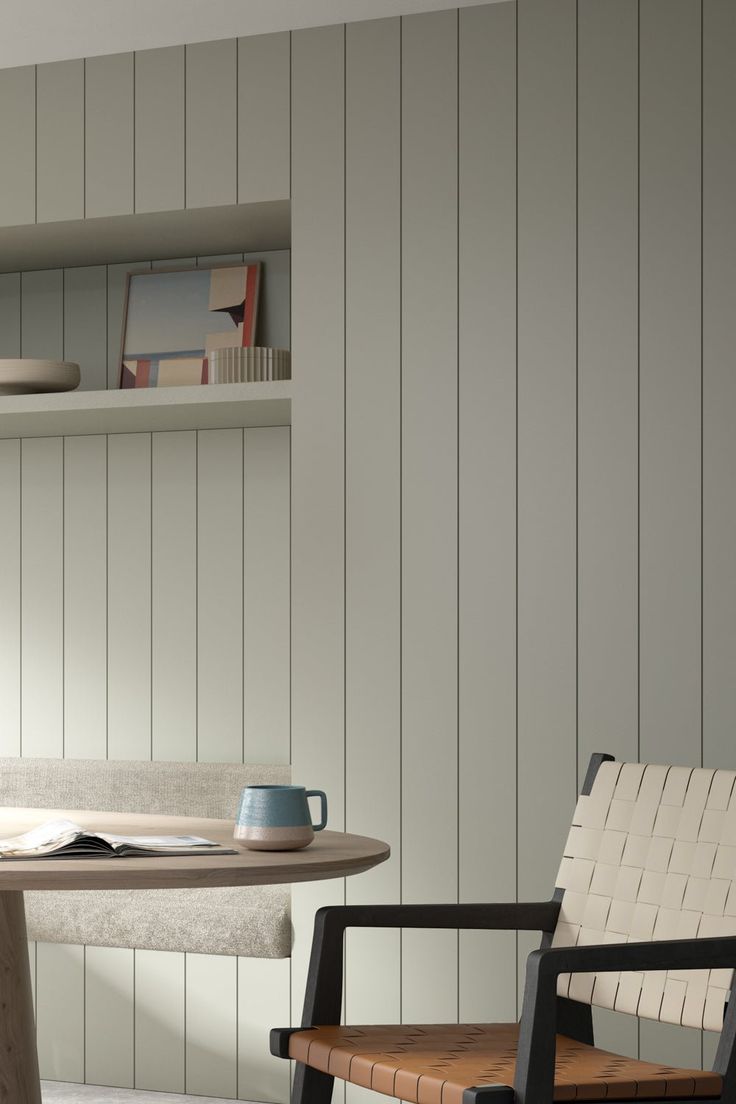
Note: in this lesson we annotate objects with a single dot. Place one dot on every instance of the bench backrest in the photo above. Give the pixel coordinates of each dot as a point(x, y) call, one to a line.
point(132, 786)
point(651, 855)
point(249, 921)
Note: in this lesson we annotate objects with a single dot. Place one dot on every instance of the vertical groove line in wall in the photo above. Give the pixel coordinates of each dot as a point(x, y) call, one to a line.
point(344, 495)
point(20, 596)
point(457, 487)
point(133, 1024)
point(63, 597)
point(107, 441)
point(291, 113)
point(196, 596)
point(150, 597)
point(702, 397)
point(185, 128)
point(237, 120)
point(638, 382)
point(401, 507)
point(346, 981)
point(107, 596)
point(516, 472)
point(84, 1014)
point(184, 1019)
point(135, 128)
point(84, 137)
point(702, 450)
point(242, 596)
point(638, 409)
point(577, 396)
point(237, 1028)
point(344, 430)
point(35, 144)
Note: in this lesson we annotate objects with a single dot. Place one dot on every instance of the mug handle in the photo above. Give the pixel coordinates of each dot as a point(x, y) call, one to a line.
point(323, 813)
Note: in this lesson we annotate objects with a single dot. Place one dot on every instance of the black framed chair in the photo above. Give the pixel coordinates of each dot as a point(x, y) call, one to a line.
point(643, 921)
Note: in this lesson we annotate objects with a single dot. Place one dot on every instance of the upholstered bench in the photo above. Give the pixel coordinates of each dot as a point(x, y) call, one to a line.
point(251, 921)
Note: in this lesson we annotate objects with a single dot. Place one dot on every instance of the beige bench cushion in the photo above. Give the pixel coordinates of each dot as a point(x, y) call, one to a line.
point(252, 921)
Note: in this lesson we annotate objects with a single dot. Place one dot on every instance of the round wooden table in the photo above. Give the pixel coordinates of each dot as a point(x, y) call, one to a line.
point(332, 855)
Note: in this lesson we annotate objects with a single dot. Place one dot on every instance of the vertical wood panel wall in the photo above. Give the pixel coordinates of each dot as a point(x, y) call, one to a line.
point(109, 602)
point(508, 363)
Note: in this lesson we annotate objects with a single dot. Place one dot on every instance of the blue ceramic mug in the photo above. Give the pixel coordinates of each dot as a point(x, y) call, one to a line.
point(277, 818)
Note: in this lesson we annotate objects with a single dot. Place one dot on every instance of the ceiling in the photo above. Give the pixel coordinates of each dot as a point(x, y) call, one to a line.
point(34, 31)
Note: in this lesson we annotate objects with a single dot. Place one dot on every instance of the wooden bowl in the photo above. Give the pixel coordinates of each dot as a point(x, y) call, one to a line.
point(26, 376)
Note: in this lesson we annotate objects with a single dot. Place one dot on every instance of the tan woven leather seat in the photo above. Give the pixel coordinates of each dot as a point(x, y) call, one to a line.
point(434, 1064)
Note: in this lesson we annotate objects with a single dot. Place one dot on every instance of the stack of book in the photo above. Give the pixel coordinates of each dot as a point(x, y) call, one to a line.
point(250, 364)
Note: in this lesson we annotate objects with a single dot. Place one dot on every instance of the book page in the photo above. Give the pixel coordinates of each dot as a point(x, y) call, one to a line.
point(42, 840)
point(156, 843)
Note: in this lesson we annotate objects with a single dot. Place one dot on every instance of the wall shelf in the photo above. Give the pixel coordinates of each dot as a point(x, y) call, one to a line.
point(218, 406)
point(239, 228)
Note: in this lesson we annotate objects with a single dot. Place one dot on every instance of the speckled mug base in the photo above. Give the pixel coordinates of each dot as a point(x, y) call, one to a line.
point(274, 839)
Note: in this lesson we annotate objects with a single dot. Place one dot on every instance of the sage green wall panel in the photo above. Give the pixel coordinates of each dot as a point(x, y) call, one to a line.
point(42, 596)
point(487, 498)
point(159, 129)
point(220, 596)
point(42, 315)
point(109, 123)
point(60, 141)
point(719, 382)
point(607, 400)
point(670, 438)
point(10, 314)
point(546, 444)
point(266, 595)
point(174, 596)
point(10, 599)
point(670, 411)
point(85, 597)
point(318, 443)
point(429, 501)
point(608, 378)
point(263, 1000)
point(211, 123)
point(60, 1011)
point(85, 324)
point(160, 979)
point(264, 117)
point(129, 595)
point(109, 995)
point(18, 143)
point(211, 1025)
point(373, 513)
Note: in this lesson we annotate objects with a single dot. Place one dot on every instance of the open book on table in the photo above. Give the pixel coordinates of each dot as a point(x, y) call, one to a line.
point(65, 839)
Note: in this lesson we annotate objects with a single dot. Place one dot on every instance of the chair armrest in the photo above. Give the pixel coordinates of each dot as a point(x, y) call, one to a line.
point(508, 916)
point(323, 998)
point(535, 1065)
point(666, 954)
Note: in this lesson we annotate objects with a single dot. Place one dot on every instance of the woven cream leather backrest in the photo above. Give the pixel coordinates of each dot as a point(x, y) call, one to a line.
point(651, 855)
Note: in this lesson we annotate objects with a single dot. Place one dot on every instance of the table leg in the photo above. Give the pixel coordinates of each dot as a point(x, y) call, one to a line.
point(19, 1081)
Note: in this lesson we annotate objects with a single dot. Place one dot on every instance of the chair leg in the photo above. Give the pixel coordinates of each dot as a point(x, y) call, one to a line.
point(311, 1086)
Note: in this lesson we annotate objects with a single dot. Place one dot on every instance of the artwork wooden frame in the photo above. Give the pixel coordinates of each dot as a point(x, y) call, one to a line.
point(166, 338)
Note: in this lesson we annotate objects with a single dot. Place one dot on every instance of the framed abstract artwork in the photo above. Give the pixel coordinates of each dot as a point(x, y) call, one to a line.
point(174, 318)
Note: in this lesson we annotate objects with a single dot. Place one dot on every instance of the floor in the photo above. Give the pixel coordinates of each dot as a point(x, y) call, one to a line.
point(58, 1092)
